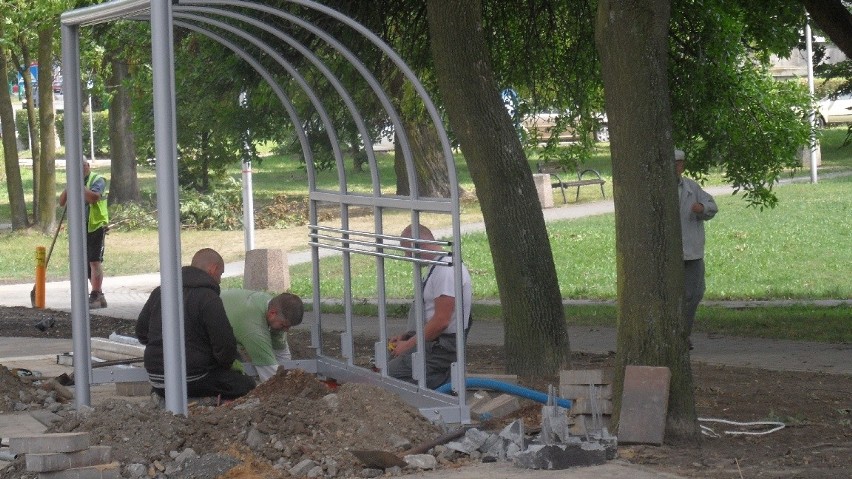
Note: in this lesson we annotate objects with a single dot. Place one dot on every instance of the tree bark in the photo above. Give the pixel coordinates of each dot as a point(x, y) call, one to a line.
point(536, 335)
point(433, 179)
point(833, 18)
point(35, 150)
point(14, 184)
point(124, 184)
point(632, 38)
point(45, 216)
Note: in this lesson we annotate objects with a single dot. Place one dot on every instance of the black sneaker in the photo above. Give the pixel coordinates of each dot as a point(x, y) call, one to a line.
point(97, 300)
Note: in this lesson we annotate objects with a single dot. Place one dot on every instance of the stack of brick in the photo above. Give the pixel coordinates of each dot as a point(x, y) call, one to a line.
point(590, 392)
point(65, 456)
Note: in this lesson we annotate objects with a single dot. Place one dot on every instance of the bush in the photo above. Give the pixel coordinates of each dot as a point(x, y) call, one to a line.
point(132, 216)
point(282, 213)
point(101, 123)
point(217, 210)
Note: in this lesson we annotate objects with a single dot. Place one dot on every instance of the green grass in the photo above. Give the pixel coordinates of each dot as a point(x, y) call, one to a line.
point(791, 251)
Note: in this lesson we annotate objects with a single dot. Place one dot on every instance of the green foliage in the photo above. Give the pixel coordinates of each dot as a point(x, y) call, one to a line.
point(132, 216)
point(726, 108)
point(218, 210)
point(100, 119)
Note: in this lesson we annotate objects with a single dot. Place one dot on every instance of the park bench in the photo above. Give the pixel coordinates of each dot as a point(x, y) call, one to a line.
point(558, 171)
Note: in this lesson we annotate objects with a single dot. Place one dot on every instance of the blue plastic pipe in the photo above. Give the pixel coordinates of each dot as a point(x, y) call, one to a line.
point(513, 389)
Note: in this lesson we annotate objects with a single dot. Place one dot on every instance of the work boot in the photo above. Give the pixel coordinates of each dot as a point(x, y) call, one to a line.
point(97, 300)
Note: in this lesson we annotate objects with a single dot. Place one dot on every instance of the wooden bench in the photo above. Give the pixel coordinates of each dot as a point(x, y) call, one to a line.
point(585, 177)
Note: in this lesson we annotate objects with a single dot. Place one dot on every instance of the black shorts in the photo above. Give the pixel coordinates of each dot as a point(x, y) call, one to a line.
point(95, 245)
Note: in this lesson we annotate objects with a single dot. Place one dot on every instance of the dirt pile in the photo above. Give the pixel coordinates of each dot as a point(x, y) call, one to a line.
point(290, 419)
point(18, 393)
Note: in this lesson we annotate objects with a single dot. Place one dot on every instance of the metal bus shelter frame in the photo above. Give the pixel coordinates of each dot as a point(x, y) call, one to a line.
point(227, 22)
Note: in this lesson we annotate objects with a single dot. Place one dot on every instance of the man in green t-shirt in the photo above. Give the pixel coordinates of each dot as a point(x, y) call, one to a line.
point(260, 322)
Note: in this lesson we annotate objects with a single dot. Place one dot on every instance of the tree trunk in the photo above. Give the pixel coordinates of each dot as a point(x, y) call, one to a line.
point(124, 184)
point(536, 335)
point(833, 18)
point(632, 38)
point(14, 184)
point(35, 150)
point(433, 179)
point(46, 214)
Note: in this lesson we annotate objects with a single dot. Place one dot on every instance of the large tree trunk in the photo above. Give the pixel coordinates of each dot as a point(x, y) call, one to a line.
point(124, 184)
point(35, 149)
point(834, 18)
point(632, 38)
point(14, 185)
point(536, 335)
point(46, 213)
point(433, 180)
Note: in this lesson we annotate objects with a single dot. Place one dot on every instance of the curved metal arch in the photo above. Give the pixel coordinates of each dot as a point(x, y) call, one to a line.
point(161, 16)
point(355, 62)
point(309, 91)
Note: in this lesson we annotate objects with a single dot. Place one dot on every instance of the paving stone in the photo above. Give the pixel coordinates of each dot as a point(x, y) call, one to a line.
point(574, 391)
point(47, 443)
point(58, 461)
point(585, 376)
point(104, 471)
point(131, 389)
point(584, 405)
point(498, 407)
point(477, 399)
point(644, 405)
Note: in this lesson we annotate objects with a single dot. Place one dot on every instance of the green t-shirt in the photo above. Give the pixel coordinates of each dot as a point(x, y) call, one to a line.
point(247, 313)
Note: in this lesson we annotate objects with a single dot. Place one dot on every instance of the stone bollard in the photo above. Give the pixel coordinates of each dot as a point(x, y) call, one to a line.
point(266, 270)
point(544, 189)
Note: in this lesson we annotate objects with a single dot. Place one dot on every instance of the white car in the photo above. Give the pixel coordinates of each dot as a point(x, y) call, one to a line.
point(838, 110)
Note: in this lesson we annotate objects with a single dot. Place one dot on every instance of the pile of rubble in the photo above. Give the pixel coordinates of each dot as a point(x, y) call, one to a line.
point(295, 425)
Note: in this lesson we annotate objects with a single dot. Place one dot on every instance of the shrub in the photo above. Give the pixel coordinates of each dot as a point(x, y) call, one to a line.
point(220, 209)
point(282, 213)
point(132, 216)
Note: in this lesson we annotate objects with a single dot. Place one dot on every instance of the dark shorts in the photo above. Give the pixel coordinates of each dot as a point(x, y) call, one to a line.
point(95, 245)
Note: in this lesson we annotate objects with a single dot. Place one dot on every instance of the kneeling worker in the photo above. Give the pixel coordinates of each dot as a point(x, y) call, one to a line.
point(260, 322)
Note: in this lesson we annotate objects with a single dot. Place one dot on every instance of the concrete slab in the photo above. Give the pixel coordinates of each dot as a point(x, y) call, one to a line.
point(644, 404)
point(19, 424)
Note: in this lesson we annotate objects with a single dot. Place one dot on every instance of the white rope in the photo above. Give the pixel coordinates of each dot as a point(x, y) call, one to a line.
point(777, 426)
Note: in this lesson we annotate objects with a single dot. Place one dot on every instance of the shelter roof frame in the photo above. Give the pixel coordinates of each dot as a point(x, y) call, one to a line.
point(231, 23)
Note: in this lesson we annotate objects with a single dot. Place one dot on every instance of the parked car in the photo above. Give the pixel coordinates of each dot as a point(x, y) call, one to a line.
point(541, 126)
point(833, 111)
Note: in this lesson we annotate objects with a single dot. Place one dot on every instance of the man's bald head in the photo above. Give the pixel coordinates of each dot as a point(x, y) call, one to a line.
point(207, 259)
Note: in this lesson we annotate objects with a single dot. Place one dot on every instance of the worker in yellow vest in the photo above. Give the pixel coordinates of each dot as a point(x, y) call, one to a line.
point(97, 218)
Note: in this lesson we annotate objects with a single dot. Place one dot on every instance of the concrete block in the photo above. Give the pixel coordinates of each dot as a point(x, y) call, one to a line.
point(47, 443)
point(543, 189)
point(561, 456)
point(65, 359)
point(45, 417)
point(498, 407)
point(574, 391)
point(108, 349)
point(584, 424)
point(585, 376)
point(103, 471)
point(585, 405)
point(92, 456)
point(475, 400)
point(133, 389)
point(644, 405)
point(503, 378)
point(266, 270)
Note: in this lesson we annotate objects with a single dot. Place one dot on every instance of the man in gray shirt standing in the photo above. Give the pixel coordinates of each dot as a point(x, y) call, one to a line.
point(696, 207)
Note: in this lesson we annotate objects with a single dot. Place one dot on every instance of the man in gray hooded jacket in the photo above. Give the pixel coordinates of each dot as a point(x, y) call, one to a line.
point(696, 207)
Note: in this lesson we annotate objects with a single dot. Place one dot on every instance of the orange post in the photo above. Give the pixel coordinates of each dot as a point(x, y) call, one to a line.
point(41, 276)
